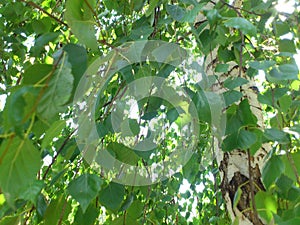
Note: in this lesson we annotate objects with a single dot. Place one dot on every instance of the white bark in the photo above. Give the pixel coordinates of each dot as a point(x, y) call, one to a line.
point(234, 166)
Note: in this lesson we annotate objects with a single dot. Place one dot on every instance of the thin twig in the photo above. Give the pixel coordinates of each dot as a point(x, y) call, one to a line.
point(58, 152)
point(34, 5)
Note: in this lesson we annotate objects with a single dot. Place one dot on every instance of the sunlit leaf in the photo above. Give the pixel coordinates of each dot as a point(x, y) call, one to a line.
point(19, 164)
point(80, 18)
point(242, 24)
point(58, 92)
point(53, 131)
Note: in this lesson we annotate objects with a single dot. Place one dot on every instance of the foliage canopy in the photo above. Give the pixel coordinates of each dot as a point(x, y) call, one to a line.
point(46, 48)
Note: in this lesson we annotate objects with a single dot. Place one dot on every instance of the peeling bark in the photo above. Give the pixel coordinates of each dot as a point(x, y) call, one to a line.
point(234, 166)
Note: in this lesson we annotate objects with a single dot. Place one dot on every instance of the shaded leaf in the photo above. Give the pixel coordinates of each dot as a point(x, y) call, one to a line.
point(36, 73)
point(232, 83)
point(88, 217)
point(58, 210)
point(112, 196)
point(84, 189)
point(273, 134)
point(232, 96)
point(77, 57)
point(272, 170)
point(176, 12)
point(123, 153)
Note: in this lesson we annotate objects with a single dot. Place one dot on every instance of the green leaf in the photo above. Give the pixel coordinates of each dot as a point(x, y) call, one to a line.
point(19, 164)
point(14, 111)
point(123, 7)
point(112, 196)
point(172, 114)
point(284, 184)
point(41, 206)
point(135, 210)
point(246, 139)
point(202, 106)
point(290, 71)
point(134, 126)
point(232, 96)
point(32, 192)
point(272, 170)
point(286, 45)
point(36, 73)
point(42, 25)
point(281, 28)
point(123, 153)
point(88, 217)
point(257, 145)
point(58, 91)
point(190, 15)
point(293, 221)
point(242, 139)
point(273, 134)
point(245, 113)
point(41, 41)
point(285, 103)
point(152, 5)
point(261, 65)
point(222, 68)
point(84, 189)
point(289, 169)
point(80, 19)
point(242, 24)
point(266, 205)
point(138, 4)
point(126, 204)
point(294, 194)
point(190, 169)
point(271, 96)
point(232, 83)
point(176, 12)
point(10, 220)
point(212, 16)
point(77, 57)
point(58, 210)
point(53, 131)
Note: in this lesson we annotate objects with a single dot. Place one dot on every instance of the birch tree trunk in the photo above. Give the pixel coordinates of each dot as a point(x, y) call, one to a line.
point(240, 171)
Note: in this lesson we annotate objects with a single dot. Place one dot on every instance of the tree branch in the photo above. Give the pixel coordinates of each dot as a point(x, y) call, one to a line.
point(34, 5)
point(58, 152)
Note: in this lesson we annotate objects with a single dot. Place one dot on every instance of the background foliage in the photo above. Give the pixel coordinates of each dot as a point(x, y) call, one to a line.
point(47, 45)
